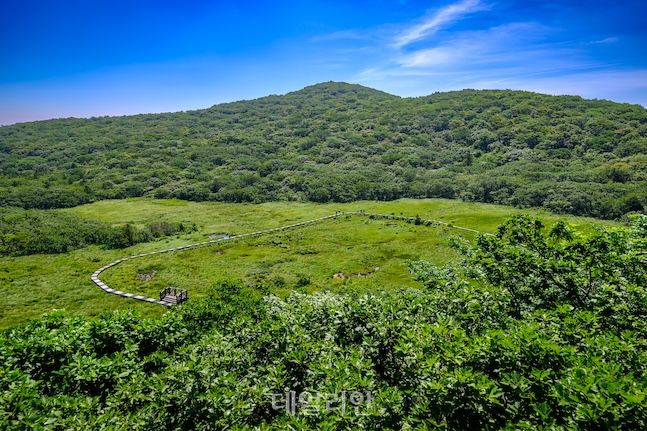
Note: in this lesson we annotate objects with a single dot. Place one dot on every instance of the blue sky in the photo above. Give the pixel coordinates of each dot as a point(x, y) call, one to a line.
point(89, 58)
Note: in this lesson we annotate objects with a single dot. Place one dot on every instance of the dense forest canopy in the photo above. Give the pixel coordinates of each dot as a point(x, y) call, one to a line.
point(342, 142)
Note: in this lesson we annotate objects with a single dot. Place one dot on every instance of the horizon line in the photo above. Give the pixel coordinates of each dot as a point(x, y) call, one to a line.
point(224, 102)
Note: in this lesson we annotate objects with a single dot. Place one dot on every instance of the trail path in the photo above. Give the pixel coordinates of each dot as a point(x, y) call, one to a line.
point(96, 280)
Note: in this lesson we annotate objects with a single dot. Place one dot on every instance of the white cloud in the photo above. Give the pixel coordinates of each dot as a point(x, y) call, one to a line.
point(428, 57)
point(510, 42)
point(434, 22)
point(605, 41)
point(407, 61)
point(346, 35)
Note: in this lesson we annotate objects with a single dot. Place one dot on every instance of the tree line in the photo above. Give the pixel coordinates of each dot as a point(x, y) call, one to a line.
point(24, 232)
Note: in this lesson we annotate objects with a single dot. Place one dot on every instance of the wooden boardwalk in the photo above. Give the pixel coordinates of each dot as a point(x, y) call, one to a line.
point(170, 302)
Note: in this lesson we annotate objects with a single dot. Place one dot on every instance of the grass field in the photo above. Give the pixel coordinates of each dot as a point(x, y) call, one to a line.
point(374, 253)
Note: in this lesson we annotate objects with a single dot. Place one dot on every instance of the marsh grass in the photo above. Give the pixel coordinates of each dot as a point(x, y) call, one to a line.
point(303, 259)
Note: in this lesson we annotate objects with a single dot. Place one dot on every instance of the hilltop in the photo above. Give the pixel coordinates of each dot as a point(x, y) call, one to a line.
point(343, 142)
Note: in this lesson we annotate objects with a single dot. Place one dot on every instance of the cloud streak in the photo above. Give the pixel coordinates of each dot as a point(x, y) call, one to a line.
point(436, 21)
point(509, 42)
point(497, 50)
point(513, 55)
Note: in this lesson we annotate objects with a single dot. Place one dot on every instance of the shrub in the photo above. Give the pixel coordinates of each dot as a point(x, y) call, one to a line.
point(469, 350)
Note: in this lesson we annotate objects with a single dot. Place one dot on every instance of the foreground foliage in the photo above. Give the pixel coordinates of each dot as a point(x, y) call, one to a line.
point(563, 350)
point(340, 142)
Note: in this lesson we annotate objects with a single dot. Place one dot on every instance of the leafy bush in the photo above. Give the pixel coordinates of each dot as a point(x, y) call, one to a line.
point(467, 351)
point(544, 269)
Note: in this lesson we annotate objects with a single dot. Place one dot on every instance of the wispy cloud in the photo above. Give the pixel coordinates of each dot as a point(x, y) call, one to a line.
point(435, 54)
point(605, 41)
point(343, 35)
point(509, 42)
point(437, 20)
point(495, 57)
point(428, 57)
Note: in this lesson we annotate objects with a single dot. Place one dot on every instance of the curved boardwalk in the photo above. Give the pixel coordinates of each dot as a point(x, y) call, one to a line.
point(96, 280)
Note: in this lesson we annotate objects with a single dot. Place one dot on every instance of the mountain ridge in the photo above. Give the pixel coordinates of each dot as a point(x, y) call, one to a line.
point(341, 85)
point(340, 142)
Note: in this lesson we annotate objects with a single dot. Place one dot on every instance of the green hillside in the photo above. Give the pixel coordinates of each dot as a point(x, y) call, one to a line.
point(341, 142)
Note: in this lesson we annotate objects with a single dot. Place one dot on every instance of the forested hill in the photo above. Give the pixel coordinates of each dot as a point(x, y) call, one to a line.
point(341, 142)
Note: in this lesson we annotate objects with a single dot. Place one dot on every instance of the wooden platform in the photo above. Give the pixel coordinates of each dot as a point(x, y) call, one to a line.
point(171, 296)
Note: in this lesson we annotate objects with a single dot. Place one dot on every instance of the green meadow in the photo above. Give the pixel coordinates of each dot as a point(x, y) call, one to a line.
point(369, 254)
